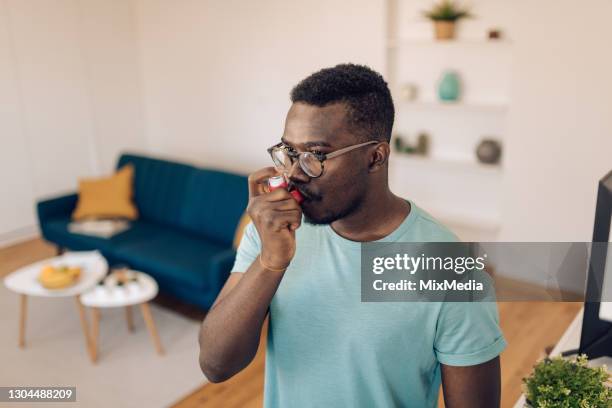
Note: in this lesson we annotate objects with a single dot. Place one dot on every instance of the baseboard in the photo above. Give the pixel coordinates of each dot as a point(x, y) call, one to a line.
point(19, 235)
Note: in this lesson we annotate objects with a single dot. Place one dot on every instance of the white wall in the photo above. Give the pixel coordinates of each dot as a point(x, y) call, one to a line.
point(111, 54)
point(71, 99)
point(560, 123)
point(217, 74)
point(15, 218)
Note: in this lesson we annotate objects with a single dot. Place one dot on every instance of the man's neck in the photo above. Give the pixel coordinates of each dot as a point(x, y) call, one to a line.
point(378, 216)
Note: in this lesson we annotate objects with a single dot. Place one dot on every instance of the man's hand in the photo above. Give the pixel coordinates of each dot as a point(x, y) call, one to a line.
point(276, 215)
point(476, 386)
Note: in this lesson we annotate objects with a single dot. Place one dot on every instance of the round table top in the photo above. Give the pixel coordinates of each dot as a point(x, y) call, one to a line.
point(133, 293)
point(93, 269)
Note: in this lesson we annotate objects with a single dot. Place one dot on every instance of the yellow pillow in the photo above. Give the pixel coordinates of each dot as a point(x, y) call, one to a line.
point(107, 197)
point(244, 221)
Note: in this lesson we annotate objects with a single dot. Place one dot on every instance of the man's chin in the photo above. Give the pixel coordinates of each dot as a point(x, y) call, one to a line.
point(319, 219)
point(326, 217)
point(316, 221)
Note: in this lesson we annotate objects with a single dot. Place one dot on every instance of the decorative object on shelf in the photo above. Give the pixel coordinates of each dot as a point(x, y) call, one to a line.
point(449, 87)
point(494, 34)
point(560, 382)
point(489, 151)
point(445, 14)
point(409, 92)
point(422, 146)
point(401, 146)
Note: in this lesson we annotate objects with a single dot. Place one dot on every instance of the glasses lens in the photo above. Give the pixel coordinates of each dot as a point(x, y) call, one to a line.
point(281, 159)
point(311, 164)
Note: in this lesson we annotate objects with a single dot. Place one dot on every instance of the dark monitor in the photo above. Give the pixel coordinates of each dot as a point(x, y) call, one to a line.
point(596, 337)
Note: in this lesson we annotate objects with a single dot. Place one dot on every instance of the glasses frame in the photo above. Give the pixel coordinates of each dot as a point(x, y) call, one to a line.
point(322, 157)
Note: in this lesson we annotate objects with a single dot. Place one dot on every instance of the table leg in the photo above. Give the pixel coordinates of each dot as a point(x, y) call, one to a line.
point(85, 327)
point(95, 333)
point(148, 317)
point(128, 316)
point(22, 319)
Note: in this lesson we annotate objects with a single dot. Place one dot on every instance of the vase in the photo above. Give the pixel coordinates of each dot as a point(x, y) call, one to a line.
point(449, 87)
point(445, 30)
point(489, 151)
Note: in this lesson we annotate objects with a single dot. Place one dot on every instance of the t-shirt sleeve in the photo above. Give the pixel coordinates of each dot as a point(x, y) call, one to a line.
point(468, 333)
point(248, 250)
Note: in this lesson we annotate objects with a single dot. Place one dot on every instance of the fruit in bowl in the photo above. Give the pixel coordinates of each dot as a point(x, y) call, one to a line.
point(59, 277)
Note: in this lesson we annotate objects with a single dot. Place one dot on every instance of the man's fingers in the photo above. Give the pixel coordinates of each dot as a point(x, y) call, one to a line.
point(287, 219)
point(258, 180)
point(284, 205)
point(280, 194)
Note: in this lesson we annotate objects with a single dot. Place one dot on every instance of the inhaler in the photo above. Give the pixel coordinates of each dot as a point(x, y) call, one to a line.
point(280, 182)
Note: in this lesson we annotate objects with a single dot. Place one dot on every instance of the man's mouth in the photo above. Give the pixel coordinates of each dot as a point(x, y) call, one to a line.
point(306, 194)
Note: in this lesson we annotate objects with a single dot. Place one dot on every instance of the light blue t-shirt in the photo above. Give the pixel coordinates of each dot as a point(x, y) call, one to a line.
point(328, 349)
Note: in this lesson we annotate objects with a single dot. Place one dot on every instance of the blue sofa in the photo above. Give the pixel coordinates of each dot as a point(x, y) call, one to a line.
point(183, 236)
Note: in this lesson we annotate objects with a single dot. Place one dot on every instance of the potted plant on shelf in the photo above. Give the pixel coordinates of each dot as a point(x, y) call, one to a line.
point(564, 383)
point(444, 15)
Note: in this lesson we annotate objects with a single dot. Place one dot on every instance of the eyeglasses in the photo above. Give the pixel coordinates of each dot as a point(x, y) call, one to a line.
point(310, 162)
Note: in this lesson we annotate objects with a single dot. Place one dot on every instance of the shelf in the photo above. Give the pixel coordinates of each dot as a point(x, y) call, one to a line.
point(447, 164)
point(427, 42)
point(456, 106)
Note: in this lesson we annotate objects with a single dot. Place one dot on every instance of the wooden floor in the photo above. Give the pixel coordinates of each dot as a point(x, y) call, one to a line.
point(529, 327)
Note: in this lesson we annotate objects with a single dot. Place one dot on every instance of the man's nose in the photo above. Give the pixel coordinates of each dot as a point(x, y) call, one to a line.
point(296, 174)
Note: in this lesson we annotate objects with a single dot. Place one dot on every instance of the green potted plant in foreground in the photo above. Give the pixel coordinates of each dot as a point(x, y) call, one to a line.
point(562, 383)
point(444, 15)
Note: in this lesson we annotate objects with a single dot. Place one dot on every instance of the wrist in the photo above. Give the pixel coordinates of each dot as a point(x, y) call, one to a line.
point(272, 264)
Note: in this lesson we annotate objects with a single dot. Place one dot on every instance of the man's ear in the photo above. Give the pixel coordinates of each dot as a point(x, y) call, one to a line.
point(379, 156)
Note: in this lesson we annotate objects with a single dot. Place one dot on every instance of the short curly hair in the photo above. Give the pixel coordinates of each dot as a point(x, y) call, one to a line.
point(370, 111)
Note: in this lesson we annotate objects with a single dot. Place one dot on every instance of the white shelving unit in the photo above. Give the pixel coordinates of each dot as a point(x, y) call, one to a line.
point(425, 162)
point(450, 183)
point(456, 43)
point(469, 107)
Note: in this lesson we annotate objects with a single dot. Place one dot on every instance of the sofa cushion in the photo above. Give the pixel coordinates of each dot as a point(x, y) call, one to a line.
point(171, 254)
point(56, 230)
point(107, 197)
point(214, 203)
point(159, 188)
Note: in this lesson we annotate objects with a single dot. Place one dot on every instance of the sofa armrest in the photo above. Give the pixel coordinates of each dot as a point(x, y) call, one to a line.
point(56, 207)
point(221, 265)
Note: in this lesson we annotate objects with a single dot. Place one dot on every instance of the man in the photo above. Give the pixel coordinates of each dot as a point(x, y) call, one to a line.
point(325, 347)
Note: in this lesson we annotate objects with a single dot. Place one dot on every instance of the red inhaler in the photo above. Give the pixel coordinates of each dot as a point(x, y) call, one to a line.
point(280, 182)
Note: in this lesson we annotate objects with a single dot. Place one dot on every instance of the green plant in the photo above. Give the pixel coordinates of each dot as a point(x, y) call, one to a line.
point(447, 10)
point(561, 383)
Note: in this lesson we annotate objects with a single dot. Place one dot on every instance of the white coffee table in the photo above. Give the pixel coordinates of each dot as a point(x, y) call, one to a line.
point(108, 295)
point(24, 281)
